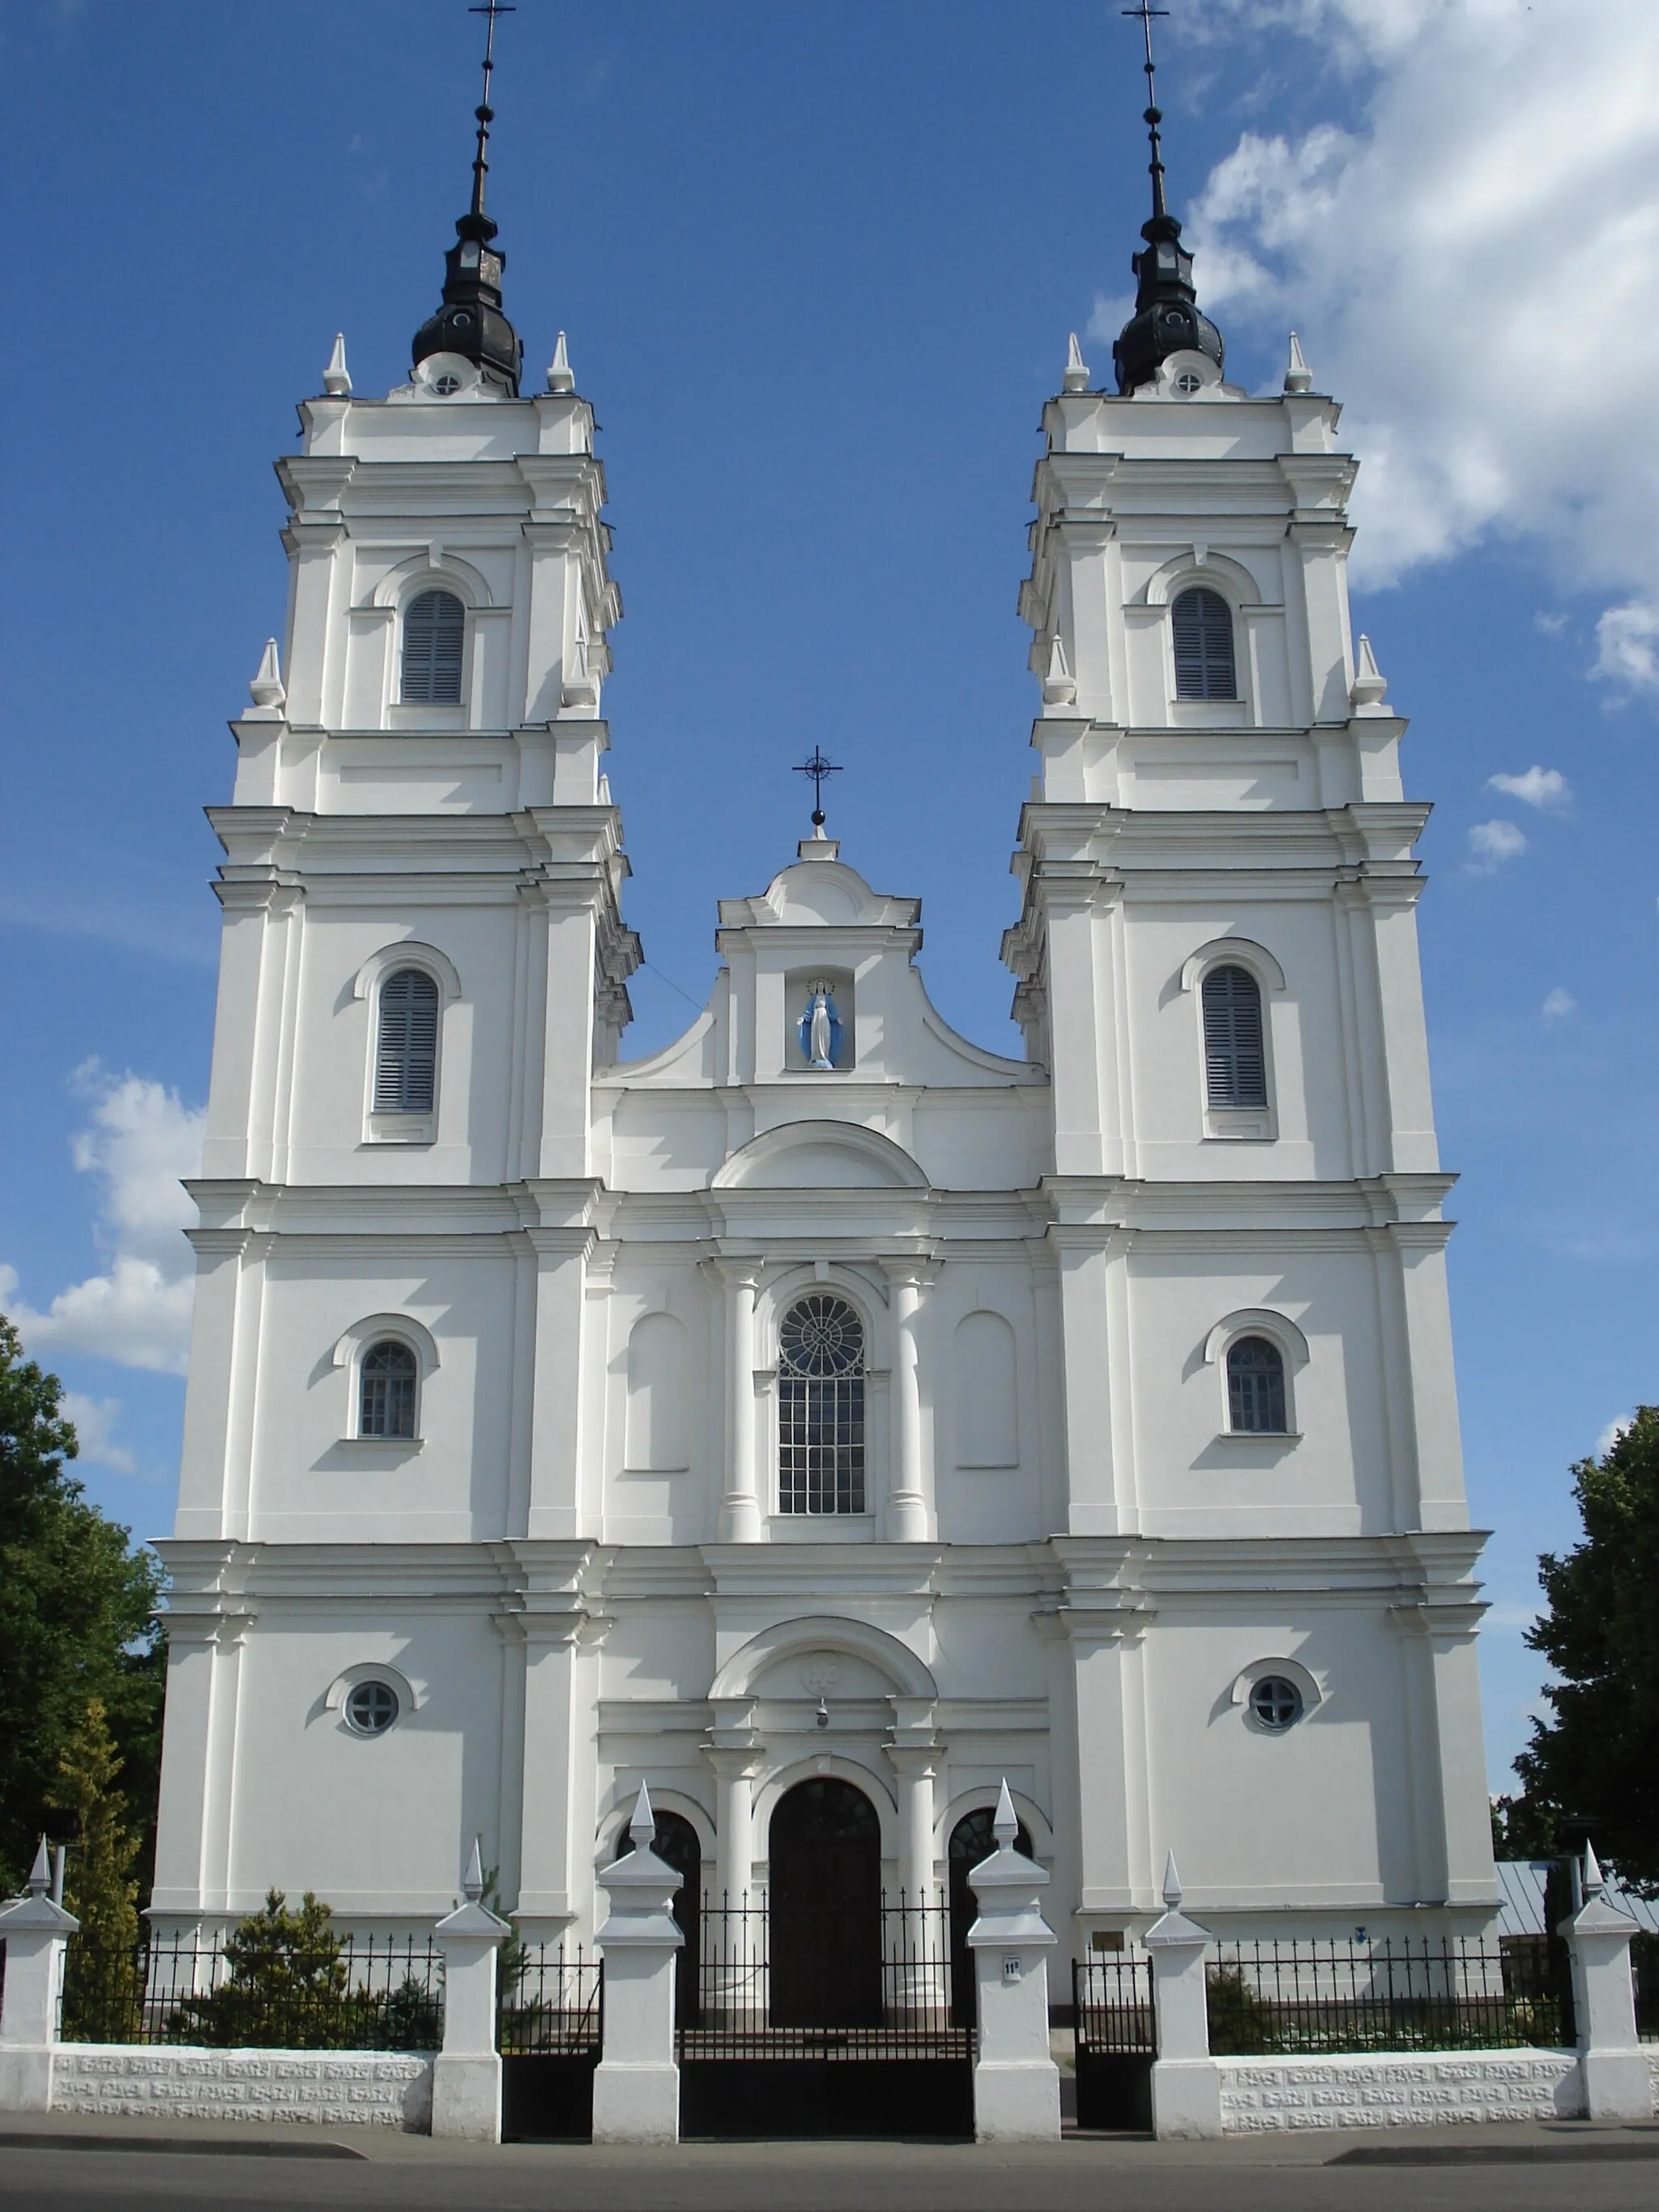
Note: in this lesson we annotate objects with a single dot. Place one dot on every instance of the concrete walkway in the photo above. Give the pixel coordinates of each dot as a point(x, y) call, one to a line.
point(66, 2163)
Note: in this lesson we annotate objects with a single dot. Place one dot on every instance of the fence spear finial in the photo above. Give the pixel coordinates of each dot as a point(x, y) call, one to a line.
point(472, 1882)
point(643, 1828)
point(40, 1872)
point(1004, 1826)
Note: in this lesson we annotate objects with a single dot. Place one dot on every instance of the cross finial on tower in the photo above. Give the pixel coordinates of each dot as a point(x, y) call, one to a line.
point(817, 768)
point(484, 112)
point(1143, 15)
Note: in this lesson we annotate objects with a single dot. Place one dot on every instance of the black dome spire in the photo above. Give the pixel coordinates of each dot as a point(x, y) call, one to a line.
point(1166, 319)
point(470, 322)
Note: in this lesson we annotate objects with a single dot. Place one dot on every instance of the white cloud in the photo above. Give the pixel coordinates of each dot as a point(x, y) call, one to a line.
point(1610, 1435)
point(142, 1141)
point(1551, 625)
point(1536, 787)
point(1494, 842)
point(94, 1420)
point(1473, 265)
point(1559, 1005)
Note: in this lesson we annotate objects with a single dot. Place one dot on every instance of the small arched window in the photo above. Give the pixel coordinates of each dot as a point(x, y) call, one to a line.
point(1203, 625)
point(435, 630)
point(821, 1407)
point(385, 1390)
point(1255, 1388)
point(406, 1046)
point(1234, 1064)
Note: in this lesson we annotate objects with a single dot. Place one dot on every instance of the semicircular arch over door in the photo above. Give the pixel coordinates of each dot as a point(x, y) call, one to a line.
point(825, 1854)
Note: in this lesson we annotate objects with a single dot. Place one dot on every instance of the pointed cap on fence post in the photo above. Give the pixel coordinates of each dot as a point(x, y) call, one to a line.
point(1005, 1824)
point(472, 1882)
point(1171, 1883)
point(35, 1910)
point(40, 1872)
point(473, 1918)
point(1172, 1928)
point(642, 1824)
point(1593, 1878)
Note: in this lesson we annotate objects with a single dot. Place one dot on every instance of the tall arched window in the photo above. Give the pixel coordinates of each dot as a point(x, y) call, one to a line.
point(1255, 1388)
point(406, 1046)
point(435, 630)
point(385, 1390)
point(1234, 1064)
point(821, 1407)
point(1203, 625)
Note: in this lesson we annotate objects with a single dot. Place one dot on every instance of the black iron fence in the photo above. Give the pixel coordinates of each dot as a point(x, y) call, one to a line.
point(351, 1993)
point(1306, 1996)
point(550, 2002)
point(1113, 1999)
point(839, 1982)
point(1645, 1966)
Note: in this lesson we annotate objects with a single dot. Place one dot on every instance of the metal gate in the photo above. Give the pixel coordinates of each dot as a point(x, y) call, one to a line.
point(1116, 2041)
point(548, 2030)
point(818, 2021)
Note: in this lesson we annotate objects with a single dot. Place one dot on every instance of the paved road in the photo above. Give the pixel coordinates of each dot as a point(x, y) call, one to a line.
point(1542, 2170)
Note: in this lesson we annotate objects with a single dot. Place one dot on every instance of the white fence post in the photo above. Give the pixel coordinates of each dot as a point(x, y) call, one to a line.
point(1611, 2063)
point(636, 2084)
point(36, 1934)
point(1185, 2080)
point(466, 2075)
point(1016, 2081)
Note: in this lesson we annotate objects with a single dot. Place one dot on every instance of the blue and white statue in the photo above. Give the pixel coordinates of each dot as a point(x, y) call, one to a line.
point(819, 1028)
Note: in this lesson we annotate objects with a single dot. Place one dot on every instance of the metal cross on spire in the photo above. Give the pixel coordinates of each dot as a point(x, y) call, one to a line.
point(484, 112)
point(1143, 15)
point(817, 768)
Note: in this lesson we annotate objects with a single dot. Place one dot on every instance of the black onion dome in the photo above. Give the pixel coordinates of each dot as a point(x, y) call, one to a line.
point(470, 322)
point(1166, 319)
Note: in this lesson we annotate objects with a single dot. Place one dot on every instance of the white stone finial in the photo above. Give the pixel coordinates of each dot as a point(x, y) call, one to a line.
point(1059, 685)
point(1369, 684)
point(1172, 1884)
point(1593, 1878)
point(40, 1872)
point(1298, 377)
point(1076, 378)
point(642, 1825)
point(336, 377)
point(1004, 1824)
point(560, 377)
point(266, 689)
point(472, 1882)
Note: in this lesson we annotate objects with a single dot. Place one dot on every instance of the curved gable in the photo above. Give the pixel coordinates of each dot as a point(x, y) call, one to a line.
point(820, 1156)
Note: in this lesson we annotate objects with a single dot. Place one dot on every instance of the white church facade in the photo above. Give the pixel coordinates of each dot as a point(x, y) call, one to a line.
point(825, 1411)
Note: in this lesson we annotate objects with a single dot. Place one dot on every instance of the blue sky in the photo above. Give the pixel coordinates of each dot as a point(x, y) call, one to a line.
point(817, 265)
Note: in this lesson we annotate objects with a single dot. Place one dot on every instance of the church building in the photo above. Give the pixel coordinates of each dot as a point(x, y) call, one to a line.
point(825, 1417)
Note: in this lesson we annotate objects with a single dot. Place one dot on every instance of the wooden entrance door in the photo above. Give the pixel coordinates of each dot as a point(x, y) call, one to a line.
point(825, 1908)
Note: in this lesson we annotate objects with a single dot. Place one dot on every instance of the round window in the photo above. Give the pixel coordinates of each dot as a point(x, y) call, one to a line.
point(446, 384)
point(371, 1708)
point(1275, 1703)
point(1188, 380)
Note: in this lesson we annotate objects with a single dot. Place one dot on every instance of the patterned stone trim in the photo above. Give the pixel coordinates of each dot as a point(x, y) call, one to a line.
point(330, 2089)
point(1430, 2089)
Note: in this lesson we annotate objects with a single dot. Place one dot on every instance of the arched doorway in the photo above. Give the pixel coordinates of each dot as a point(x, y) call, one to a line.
point(676, 1843)
point(971, 1841)
point(826, 1907)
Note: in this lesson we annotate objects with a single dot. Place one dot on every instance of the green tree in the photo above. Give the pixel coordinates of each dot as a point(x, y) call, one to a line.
point(101, 1980)
point(1523, 1828)
point(287, 1989)
point(77, 1608)
point(1598, 1754)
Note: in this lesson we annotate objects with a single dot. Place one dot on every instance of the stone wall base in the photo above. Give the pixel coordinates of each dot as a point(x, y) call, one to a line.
point(1392, 2090)
point(330, 2089)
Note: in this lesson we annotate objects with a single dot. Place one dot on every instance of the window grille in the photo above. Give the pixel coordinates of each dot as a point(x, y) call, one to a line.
point(1256, 1387)
point(371, 1708)
point(386, 1391)
point(1234, 1064)
point(1276, 1702)
point(435, 630)
point(821, 1408)
point(1203, 626)
point(406, 1049)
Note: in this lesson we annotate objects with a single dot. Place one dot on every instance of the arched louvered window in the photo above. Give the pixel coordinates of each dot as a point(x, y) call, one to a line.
point(386, 1388)
point(406, 1047)
point(1255, 1388)
point(435, 630)
point(1234, 1065)
point(1203, 625)
point(821, 1407)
